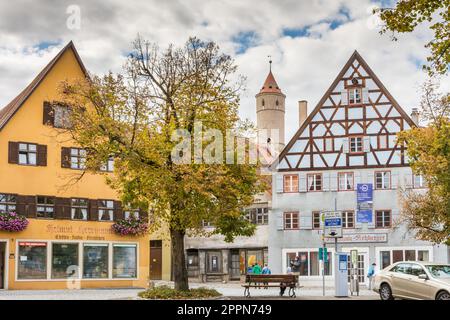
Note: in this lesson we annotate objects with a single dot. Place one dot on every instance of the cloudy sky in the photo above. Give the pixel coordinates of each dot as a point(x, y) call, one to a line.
point(309, 41)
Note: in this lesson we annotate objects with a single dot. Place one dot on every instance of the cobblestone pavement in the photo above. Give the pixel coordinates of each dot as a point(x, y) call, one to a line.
point(229, 290)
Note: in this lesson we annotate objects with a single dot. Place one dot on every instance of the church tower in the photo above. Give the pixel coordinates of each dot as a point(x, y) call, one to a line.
point(270, 111)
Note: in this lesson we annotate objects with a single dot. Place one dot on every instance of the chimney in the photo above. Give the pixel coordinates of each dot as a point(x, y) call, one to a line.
point(415, 116)
point(302, 111)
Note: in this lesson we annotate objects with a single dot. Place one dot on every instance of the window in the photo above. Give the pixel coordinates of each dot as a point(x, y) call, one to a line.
point(262, 215)
point(309, 264)
point(290, 183)
point(28, 154)
point(106, 210)
point(348, 219)
point(77, 158)
point(62, 116)
point(124, 261)
point(206, 224)
point(383, 219)
point(108, 166)
point(423, 255)
point(354, 95)
point(45, 207)
point(64, 260)
point(410, 255)
point(383, 180)
point(128, 213)
point(383, 141)
point(32, 261)
point(418, 181)
point(385, 257)
point(316, 219)
point(328, 144)
point(7, 202)
point(290, 220)
point(345, 181)
point(95, 261)
point(315, 182)
point(214, 262)
point(356, 144)
point(79, 209)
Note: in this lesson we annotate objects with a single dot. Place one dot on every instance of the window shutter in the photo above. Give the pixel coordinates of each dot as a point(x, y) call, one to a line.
point(13, 152)
point(279, 183)
point(366, 144)
point(93, 210)
point(280, 221)
point(42, 155)
point(62, 208)
point(357, 176)
point(333, 181)
point(326, 181)
point(302, 182)
point(118, 212)
point(65, 157)
point(408, 181)
point(21, 205)
point(344, 98)
point(305, 220)
point(49, 114)
point(31, 206)
point(345, 145)
point(365, 95)
point(394, 178)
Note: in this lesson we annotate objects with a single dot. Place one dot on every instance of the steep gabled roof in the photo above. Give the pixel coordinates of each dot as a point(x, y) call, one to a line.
point(270, 85)
point(10, 109)
point(354, 57)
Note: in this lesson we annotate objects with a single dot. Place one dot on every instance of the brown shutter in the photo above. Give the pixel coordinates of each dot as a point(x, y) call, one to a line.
point(42, 155)
point(31, 206)
point(65, 157)
point(13, 152)
point(62, 208)
point(118, 212)
point(49, 114)
point(21, 205)
point(93, 210)
point(67, 208)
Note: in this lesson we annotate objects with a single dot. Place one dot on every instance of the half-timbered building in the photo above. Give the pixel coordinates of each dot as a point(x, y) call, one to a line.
point(349, 138)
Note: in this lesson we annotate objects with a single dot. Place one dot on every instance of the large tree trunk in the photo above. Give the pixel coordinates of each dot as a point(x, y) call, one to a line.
point(179, 270)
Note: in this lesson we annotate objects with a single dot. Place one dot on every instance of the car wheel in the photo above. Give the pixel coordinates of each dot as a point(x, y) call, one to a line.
point(443, 295)
point(386, 292)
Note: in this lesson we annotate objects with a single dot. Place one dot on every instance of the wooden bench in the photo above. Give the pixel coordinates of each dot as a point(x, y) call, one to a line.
point(270, 281)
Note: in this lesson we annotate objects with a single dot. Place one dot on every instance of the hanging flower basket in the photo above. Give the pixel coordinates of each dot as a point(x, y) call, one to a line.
point(130, 227)
point(12, 222)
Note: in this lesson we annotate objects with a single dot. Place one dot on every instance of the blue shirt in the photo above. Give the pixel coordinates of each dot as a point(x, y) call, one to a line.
point(266, 270)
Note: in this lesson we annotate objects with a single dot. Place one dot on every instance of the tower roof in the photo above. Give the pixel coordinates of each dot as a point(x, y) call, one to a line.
point(270, 85)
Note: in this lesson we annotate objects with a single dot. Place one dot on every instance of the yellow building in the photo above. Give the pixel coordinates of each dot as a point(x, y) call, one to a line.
point(69, 241)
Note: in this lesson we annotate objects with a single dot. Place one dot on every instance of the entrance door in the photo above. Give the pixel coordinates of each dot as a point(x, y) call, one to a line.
point(361, 268)
point(155, 259)
point(235, 267)
point(2, 264)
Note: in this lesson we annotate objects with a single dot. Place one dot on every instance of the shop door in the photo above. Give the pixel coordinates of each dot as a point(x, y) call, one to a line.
point(361, 268)
point(155, 260)
point(235, 270)
point(2, 264)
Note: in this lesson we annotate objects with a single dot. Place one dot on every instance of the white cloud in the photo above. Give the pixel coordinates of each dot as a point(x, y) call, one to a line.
point(303, 66)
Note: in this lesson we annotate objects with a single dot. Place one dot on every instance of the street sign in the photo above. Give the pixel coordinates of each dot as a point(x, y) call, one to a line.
point(364, 199)
point(323, 254)
point(332, 224)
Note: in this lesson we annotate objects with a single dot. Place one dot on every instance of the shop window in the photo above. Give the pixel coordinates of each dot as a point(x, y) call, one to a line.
point(356, 144)
point(32, 260)
point(383, 180)
point(383, 218)
point(385, 257)
point(348, 219)
point(77, 158)
point(410, 255)
point(316, 219)
point(106, 210)
point(28, 154)
point(214, 262)
point(64, 260)
point(291, 220)
point(423, 255)
point(290, 183)
point(95, 261)
point(45, 207)
point(397, 255)
point(79, 209)
point(108, 166)
point(345, 181)
point(124, 261)
point(309, 263)
point(314, 182)
point(7, 202)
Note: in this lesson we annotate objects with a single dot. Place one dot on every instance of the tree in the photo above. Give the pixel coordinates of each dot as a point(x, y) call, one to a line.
point(148, 118)
point(428, 211)
point(409, 14)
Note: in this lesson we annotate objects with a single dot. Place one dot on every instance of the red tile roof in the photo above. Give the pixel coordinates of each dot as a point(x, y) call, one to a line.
point(10, 109)
point(270, 85)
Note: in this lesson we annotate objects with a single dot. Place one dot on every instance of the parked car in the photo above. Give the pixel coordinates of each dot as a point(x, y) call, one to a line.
point(414, 280)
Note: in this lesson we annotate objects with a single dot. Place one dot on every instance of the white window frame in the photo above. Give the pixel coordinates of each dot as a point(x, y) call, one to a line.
point(107, 208)
point(27, 152)
point(345, 176)
point(355, 94)
point(358, 144)
point(422, 183)
point(385, 180)
point(77, 158)
point(314, 182)
point(378, 250)
point(108, 166)
point(9, 206)
point(345, 214)
point(291, 219)
point(292, 187)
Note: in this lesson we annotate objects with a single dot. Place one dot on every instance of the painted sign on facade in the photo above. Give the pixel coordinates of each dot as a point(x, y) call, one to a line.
point(361, 238)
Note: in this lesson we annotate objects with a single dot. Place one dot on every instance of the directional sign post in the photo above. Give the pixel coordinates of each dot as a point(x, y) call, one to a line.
point(332, 224)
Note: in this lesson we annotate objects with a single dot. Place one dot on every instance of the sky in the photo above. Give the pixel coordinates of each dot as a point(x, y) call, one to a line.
point(309, 42)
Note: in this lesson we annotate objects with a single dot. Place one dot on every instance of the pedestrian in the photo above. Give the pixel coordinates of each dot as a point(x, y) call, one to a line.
point(266, 270)
point(282, 284)
point(295, 265)
point(257, 268)
point(371, 275)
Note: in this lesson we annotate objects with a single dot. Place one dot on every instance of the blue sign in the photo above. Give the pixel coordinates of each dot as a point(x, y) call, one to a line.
point(333, 222)
point(364, 199)
point(343, 262)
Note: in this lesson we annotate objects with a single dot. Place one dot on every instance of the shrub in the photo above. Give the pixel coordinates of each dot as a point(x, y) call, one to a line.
point(12, 222)
point(166, 292)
